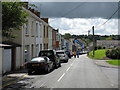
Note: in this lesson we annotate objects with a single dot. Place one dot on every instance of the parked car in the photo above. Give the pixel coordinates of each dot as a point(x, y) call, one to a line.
point(39, 64)
point(63, 56)
point(51, 54)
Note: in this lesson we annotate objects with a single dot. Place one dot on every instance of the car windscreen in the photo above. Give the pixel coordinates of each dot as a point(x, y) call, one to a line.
point(49, 54)
point(58, 53)
point(45, 53)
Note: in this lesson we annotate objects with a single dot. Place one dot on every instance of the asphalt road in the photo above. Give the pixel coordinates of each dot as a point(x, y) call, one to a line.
point(77, 73)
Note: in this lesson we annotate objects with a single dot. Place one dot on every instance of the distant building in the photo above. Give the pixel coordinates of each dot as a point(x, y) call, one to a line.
point(108, 44)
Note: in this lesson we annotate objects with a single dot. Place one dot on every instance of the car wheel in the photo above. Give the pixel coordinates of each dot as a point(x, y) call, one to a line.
point(48, 69)
point(59, 64)
point(66, 60)
point(29, 72)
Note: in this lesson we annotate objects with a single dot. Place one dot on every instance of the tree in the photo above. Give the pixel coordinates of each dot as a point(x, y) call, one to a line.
point(13, 17)
point(67, 36)
point(109, 38)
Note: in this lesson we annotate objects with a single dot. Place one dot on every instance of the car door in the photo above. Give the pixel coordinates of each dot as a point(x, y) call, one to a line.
point(50, 63)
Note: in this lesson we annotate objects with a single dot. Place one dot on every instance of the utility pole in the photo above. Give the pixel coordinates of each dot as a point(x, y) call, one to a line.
point(93, 41)
point(88, 42)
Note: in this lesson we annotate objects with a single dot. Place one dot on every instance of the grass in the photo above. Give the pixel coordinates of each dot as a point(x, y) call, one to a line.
point(99, 54)
point(114, 62)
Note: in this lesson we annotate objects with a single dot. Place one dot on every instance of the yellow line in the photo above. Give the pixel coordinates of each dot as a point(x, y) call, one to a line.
point(13, 81)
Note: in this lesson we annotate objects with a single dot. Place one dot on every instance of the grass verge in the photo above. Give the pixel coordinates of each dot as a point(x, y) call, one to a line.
point(99, 54)
point(114, 62)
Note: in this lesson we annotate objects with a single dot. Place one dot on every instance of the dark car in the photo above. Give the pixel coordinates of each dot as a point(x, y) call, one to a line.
point(51, 54)
point(39, 64)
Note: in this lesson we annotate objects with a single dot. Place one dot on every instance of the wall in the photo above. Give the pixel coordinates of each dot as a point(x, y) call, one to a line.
point(50, 38)
point(18, 54)
point(6, 60)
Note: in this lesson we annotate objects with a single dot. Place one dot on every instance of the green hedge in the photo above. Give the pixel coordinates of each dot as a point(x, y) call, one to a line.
point(114, 53)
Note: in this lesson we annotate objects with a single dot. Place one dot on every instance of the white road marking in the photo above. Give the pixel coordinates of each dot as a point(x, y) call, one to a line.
point(71, 64)
point(61, 77)
point(68, 69)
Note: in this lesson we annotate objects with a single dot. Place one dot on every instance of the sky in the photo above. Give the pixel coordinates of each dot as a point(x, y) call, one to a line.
point(79, 17)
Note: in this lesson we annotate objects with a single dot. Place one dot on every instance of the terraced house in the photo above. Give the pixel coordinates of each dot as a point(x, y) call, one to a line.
point(35, 35)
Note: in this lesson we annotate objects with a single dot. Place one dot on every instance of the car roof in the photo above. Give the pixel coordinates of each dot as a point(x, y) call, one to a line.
point(60, 51)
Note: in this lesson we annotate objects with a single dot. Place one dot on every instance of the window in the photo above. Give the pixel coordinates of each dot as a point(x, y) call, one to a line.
point(32, 50)
point(32, 28)
point(44, 31)
point(44, 45)
point(40, 30)
point(47, 32)
point(47, 46)
point(37, 49)
point(37, 29)
point(26, 28)
point(40, 46)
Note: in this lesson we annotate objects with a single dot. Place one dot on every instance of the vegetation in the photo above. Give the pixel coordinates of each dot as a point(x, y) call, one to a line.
point(114, 53)
point(12, 17)
point(99, 54)
point(114, 62)
point(67, 36)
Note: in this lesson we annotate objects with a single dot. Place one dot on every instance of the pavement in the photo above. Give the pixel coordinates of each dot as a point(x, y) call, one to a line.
point(13, 77)
point(21, 74)
point(102, 63)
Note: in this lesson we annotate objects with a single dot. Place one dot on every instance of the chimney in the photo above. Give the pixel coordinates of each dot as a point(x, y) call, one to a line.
point(45, 19)
point(37, 13)
point(34, 11)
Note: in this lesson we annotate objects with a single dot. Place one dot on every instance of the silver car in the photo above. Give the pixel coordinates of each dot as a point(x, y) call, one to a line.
point(63, 56)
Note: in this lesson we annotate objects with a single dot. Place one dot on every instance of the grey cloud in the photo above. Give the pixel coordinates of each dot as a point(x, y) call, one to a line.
point(77, 9)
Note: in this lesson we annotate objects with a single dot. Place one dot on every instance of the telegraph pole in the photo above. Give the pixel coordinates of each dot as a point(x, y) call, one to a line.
point(93, 41)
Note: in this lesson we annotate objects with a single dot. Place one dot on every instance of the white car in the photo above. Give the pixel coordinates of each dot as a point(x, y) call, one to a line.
point(63, 56)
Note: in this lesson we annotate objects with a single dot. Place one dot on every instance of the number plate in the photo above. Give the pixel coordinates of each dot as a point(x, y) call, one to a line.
point(35, 64)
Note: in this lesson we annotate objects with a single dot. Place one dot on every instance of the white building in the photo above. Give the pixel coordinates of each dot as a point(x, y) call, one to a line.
point(50, 44)
point(30, 37)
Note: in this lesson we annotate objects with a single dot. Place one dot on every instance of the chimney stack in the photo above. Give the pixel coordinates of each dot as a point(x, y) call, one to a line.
point(34, 11)
point(45, 19)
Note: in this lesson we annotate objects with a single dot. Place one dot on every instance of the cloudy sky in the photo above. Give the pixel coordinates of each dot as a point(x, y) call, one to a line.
point(79, 17)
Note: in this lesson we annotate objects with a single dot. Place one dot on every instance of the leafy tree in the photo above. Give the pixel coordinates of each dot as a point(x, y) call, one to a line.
point(109, 38)
point(67, 36)
point(12, 17)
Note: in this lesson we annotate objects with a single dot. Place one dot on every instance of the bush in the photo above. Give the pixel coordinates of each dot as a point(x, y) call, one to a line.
point(114, 53)
point(99, 47)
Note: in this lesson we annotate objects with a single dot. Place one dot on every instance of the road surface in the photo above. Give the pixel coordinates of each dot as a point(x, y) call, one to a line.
point(77, 73)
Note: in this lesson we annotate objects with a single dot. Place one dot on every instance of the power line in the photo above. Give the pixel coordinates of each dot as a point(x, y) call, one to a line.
point(73, 9)
point(109, 17)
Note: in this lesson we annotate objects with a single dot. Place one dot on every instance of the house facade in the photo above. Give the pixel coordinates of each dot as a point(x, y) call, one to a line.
point(50, 44)
point(35, 35)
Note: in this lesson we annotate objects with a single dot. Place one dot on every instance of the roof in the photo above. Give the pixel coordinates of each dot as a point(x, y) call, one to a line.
point(8, 44)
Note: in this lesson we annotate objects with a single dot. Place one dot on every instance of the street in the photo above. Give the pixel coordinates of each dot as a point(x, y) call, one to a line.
point(77, 73)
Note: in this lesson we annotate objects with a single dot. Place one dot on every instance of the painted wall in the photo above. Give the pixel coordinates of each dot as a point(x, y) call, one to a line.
point(6, 60)
point(50, 38)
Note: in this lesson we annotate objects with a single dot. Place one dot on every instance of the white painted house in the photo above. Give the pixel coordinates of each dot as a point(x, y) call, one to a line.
point(50, 46)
